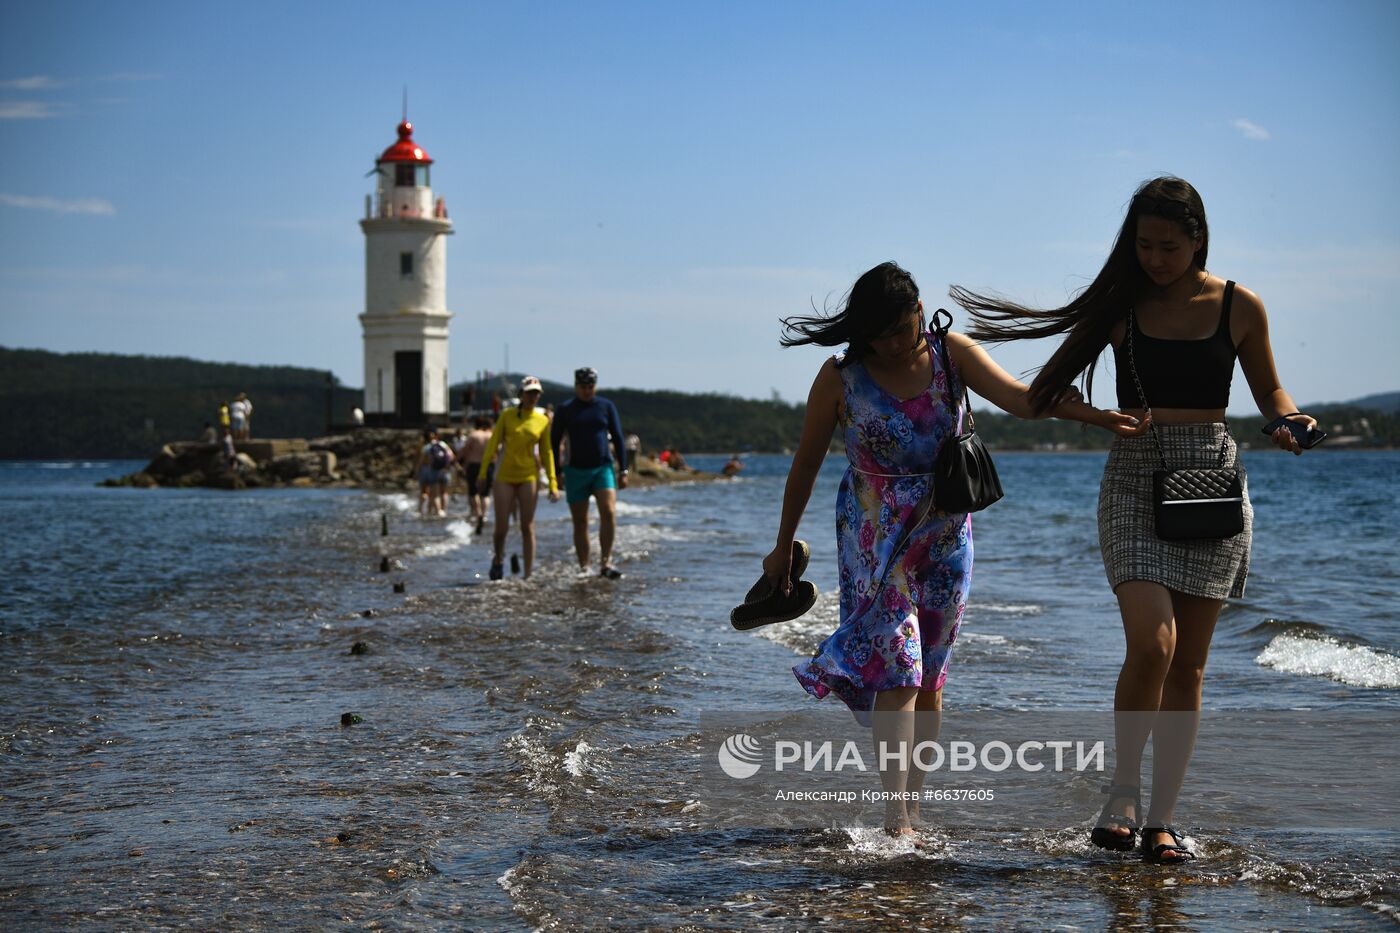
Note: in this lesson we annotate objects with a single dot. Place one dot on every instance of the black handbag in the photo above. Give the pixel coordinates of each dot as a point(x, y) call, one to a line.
point(964, 477)
point(1193, 504)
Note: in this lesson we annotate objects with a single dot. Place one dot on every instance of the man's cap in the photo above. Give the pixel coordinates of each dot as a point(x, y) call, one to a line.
point(530, 384)
point(587, 376)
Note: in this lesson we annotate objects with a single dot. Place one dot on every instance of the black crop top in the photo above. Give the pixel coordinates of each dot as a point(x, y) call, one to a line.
point(1179, 373)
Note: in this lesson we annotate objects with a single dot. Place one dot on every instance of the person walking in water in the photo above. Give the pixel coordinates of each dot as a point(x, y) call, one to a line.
point(469, 458)
point(895, 394)
point(594, 431)
point(434, 466)
point(1176, 331)
point(521, 438)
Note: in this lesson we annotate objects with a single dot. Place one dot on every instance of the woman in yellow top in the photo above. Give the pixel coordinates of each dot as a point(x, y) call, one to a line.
point(524, 432)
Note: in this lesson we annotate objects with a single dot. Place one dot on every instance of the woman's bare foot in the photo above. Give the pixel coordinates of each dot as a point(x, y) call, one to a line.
point(897, 820)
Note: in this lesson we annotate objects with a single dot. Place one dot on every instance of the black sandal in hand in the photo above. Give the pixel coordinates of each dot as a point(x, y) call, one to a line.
point(1103, 834)
point(764, 604)
point(1153, 854)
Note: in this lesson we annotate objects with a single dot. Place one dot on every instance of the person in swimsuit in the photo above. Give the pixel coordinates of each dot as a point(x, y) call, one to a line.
point(1181, 329)
point(521, 437)
point(589, 421)
point(469, 457)
point(894, 394)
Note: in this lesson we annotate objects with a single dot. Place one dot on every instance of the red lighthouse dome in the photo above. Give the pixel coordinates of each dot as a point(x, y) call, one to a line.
point(405, 150)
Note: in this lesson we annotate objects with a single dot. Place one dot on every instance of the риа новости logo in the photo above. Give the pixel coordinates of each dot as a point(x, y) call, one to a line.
point(739, 756)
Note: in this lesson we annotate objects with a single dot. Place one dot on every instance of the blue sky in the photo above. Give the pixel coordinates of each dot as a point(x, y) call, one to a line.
point(646, 188)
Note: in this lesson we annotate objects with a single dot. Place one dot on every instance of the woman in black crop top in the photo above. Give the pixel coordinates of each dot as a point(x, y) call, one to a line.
point(1182, 329)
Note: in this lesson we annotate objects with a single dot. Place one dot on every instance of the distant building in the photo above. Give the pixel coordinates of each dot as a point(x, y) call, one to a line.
point(406, 316)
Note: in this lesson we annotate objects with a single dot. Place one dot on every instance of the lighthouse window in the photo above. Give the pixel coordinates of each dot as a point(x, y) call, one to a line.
point(405, 265)
point(403, 175)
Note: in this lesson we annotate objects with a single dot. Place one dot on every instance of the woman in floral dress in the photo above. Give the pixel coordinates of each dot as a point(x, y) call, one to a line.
point(905, 569)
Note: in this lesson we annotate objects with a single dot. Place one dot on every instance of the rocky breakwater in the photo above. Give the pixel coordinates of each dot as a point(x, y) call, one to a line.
point(379, 458)
point(364, 458)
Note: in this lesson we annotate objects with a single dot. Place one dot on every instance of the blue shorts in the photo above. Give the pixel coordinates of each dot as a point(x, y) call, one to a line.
point(581, 482)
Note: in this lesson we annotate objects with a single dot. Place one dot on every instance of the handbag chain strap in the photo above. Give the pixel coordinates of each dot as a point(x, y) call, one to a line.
point(1142, 397)
point(963, 402)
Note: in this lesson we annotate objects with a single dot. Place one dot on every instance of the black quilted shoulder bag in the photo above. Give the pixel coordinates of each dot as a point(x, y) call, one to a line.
point(964, 478)
point(1193, 504)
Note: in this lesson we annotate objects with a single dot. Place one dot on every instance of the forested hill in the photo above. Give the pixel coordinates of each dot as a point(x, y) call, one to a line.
point(706, 422)
point(56, 405)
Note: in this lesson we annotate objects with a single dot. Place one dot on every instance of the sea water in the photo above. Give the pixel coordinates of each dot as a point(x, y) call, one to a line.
point(174, 666)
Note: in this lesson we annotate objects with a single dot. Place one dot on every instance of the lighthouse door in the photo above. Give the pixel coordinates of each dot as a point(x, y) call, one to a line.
point(408, 386)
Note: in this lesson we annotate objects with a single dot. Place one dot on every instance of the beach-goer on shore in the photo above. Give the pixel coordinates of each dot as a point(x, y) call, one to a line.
point(433, 468)
point(634, 450)
point(894, 393)
point(208, 435)
point(357, 416)
point(1176, 331)
point(521, 439)
point(241, 411)
point(469, 458)
point(230, 450)
point(733, 466)
point(676, 461)
point(225, 419)
point(594, 432)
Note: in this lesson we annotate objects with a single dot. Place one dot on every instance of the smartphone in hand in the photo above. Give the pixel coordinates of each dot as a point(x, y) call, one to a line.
point(1307, 438)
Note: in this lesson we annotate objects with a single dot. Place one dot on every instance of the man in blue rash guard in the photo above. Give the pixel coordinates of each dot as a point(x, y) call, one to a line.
point(592, 425)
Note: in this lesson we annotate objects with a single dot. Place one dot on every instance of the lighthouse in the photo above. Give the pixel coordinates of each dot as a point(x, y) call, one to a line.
point(406, 316)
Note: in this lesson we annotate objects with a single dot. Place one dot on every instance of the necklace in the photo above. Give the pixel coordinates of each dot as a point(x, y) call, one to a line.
point(1172, 302)
point(1205, 277)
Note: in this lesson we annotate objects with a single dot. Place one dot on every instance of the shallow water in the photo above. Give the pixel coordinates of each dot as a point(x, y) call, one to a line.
point(174, 665)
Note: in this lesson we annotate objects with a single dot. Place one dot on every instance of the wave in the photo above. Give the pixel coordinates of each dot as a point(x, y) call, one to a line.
point(1324, 656)
point(509, 884)
point(573, 761)
point(1009, 609)
point(1271, 628)
point(459, 535)
point(398, 500)
point(804, 634)
point(627, 508)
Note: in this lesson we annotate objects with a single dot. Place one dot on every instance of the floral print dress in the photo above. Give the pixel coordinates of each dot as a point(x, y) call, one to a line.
point(901, 633)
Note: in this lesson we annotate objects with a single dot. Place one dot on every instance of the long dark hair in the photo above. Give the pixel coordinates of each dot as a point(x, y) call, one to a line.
point(879, 300)
point(1091, 314)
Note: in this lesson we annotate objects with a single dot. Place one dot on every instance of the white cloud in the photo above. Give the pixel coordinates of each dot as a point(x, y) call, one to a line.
point(34, 83)
point(1250, 130)
point(25, 110)
point(58, 206)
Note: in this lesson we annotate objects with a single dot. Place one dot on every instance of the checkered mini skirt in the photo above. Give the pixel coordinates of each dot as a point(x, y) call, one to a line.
point(1215, 569)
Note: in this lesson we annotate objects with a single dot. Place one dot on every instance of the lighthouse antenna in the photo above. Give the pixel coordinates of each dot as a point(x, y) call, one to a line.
point(405, 103)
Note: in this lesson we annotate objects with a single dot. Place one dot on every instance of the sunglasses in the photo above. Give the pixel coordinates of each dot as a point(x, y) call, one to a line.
point(1161, 207)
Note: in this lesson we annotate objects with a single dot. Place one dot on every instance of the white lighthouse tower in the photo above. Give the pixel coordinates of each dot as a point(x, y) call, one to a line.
point(405, 319)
